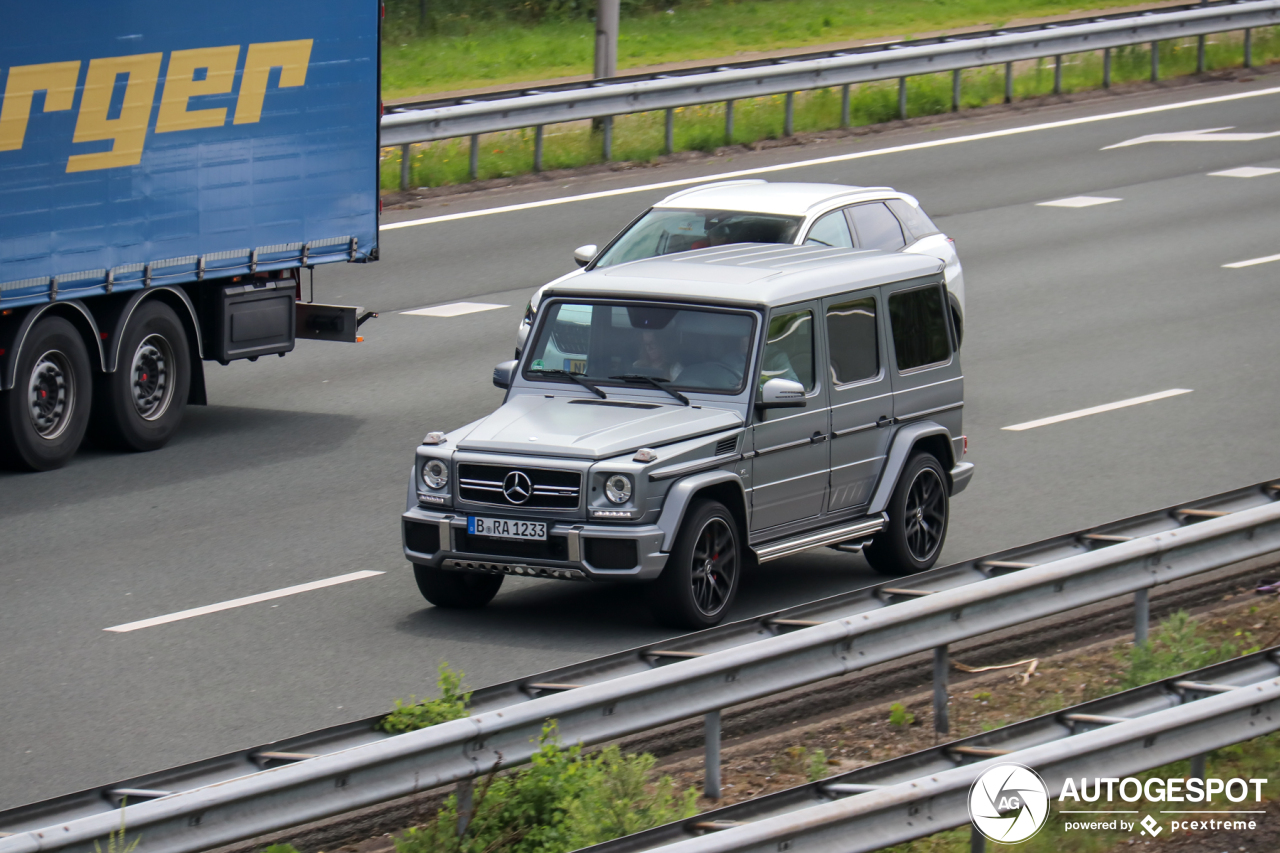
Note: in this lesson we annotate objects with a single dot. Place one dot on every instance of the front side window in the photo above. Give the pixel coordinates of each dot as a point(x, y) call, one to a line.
point(664, 231)
point(877, 228)
point(851, 332)
point(788, 350)
point(919, 322)
point(831, 230)
point(694, 349)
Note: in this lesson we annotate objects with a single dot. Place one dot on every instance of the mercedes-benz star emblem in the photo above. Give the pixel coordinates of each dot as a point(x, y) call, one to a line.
point(517, 487)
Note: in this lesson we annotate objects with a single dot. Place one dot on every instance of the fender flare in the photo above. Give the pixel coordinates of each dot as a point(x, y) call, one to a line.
point(681, 494)
point(190, 321)
point(10, 363)
point(899, 452)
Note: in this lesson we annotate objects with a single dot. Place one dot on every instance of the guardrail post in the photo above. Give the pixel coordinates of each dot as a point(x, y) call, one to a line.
point(1248, 48)
point(1008, 82)
point(466, 804)
point(670, 138)
point(1106, 68)
point(844, 105)
point(941, 663)
point(606, 132)
point(1141, 616)
point(474, 168)
point(902, 97)
point(977, 841)
point(537, 148)
point(728, 122)
point(1155, 62)
point(711, 726)
point(789, 120)
point(1057, 74)
point(955, 91)
point(1200, 54)
point(1197, 766)
point(405, 163)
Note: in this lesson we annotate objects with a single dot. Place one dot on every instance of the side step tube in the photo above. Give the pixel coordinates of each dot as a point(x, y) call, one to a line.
point(831, 536)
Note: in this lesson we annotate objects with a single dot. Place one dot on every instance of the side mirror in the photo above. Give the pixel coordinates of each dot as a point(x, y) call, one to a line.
point(586, 254)
point(502, 374)
point(781, 394)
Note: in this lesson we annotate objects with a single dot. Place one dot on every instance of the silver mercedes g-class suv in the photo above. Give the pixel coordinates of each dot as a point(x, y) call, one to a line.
point(676, 418)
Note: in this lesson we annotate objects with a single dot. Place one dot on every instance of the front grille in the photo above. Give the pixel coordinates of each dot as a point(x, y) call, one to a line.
point(488, 484)
point(551, 548)
point(571, 338)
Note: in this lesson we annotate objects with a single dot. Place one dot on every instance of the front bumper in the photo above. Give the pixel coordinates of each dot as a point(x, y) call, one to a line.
point(572, 550)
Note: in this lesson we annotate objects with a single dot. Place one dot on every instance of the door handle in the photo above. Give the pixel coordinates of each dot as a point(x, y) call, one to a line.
point(883, 421)
point(818, 437)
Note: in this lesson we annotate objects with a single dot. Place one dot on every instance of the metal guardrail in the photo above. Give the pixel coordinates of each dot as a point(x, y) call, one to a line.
point(604, 99)
point(926, 792)
point(711, 670)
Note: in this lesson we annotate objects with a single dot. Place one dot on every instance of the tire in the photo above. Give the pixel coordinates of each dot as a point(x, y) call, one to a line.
point(140, 406)
point(701, 578)
point(44, 416)
point(918, 515)
point(456, 590)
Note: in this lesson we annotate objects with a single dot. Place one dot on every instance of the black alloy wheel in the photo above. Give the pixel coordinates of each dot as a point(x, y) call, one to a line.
point(44, 416)
point(917, 527)
point(701, 577)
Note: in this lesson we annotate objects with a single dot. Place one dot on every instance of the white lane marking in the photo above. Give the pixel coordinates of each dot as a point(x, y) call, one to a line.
point(1209, 134)
point(1077, 201)
point(240, 602)
point(455, 309)
point(1244, 172)
point(1132, 401)
point(1251, 262)
point(838, 158)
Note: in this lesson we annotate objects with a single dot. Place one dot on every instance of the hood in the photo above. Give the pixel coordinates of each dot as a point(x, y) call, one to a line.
point(590, 428)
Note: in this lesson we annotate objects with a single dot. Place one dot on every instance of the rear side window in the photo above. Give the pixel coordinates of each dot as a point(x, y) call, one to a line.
point(877, 228)
point(919, 322)
point(915, 220)
point(851, 331)
point(788, 351)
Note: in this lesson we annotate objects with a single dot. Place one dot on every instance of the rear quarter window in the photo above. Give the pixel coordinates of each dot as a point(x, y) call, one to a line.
point(919, 322)
point(914, 220)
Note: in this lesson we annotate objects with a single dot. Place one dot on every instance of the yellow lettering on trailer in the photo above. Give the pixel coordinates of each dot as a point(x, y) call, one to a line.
point(58, 82)
point(291, 57)
point(181, 85)
point(127, 131)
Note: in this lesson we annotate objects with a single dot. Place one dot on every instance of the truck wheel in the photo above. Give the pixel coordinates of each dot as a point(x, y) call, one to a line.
point(918, 512)
point(456, 590)
point(700, 580)
point(44, 416)
point(139, 407)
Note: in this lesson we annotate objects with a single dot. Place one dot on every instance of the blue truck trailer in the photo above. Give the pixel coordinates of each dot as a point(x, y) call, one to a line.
point(166, 171)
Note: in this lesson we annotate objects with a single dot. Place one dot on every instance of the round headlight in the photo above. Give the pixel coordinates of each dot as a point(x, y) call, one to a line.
point(618, 489)
point(435, 474)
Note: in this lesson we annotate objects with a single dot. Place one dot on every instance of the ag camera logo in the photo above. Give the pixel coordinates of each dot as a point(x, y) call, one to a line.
point(1009, 803)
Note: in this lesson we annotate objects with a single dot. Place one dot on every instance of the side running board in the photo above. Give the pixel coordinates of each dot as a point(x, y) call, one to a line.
point(816, 539)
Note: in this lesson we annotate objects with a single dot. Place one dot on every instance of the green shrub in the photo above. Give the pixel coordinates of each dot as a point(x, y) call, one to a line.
point(413, 715)
point(561, 801)
point(900, 716)
point(1176, 646)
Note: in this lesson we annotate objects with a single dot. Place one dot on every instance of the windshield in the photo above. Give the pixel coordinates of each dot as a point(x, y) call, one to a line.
point(663, 231)
point(692, 349)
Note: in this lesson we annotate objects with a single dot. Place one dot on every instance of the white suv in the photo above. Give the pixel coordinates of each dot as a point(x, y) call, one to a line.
point(756, 211)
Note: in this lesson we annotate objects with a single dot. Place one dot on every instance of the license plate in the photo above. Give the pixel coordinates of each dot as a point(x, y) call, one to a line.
point(575, 365)
point(506, 528)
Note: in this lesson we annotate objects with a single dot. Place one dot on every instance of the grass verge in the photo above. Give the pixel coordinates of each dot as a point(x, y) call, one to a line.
point(640, 137)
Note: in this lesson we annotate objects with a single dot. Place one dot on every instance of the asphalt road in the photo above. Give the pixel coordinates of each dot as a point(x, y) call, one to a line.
point(297, 470)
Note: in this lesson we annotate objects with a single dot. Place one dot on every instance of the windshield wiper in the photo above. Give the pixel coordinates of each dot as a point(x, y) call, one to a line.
point(576, 377)
point(656, 383)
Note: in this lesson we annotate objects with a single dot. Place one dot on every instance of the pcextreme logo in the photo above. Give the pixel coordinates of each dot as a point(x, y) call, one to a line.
point(189, 74)
point(1009, 803)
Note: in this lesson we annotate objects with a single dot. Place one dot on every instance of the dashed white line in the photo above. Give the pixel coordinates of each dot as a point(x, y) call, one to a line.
point(1108, 407)
point(240, 602)
point(454, 309)
point(1077, 201)
point(838, 158)
point(1251, 262)
point(1244, 172)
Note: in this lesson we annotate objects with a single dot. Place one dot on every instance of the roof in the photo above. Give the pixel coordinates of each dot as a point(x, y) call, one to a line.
point(757, 196)
point(750, 274)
